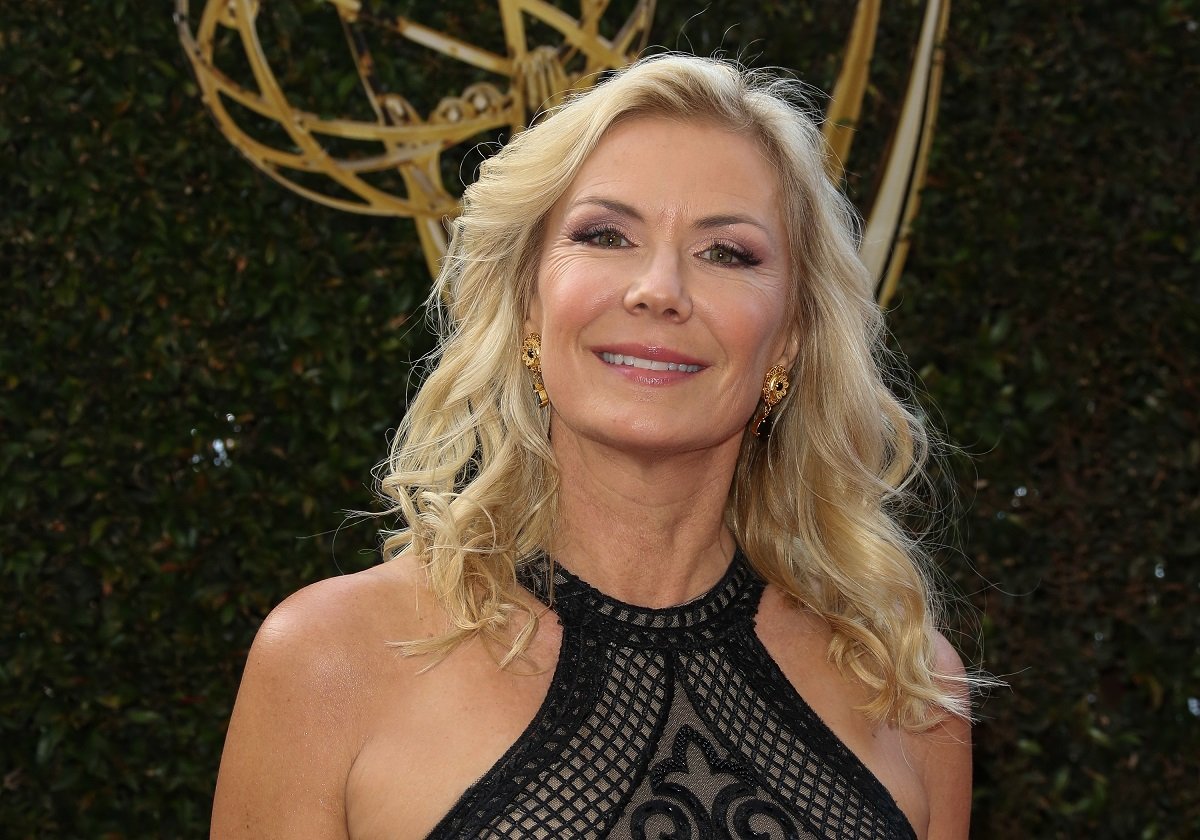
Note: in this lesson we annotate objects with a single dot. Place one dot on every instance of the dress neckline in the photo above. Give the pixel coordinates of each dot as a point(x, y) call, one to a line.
point(577, 602)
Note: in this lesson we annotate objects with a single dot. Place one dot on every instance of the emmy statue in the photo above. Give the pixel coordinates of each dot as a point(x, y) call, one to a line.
point(340, 161)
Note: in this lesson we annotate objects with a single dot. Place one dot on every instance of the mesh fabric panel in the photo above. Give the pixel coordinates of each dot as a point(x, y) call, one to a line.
point(671, 724)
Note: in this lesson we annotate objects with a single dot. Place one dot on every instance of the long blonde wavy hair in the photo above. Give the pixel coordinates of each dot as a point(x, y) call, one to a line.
point(815, 507)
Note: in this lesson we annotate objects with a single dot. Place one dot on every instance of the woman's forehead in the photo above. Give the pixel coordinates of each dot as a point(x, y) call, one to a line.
point(657, 166)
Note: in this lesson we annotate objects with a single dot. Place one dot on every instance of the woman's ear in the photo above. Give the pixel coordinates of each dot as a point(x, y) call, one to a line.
point(533, 315)
point(791, 349)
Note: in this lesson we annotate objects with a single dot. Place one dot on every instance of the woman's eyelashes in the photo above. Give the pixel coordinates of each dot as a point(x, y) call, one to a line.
point(726, 253)
point(720, 252)
point(603, 236)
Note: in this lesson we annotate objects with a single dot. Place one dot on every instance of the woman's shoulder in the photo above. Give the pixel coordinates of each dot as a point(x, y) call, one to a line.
point(316, 672)
point(942, 754)
point(318, 653)
point(351, 614)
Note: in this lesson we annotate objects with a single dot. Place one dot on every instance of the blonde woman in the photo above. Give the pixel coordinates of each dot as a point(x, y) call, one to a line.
point(649, 583)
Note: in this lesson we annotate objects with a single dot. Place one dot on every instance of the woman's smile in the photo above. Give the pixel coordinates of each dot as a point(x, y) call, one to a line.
point(648, 364)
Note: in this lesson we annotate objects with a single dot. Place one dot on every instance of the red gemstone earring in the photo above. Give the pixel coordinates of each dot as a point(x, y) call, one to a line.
point(775, 388)
point(531, 355)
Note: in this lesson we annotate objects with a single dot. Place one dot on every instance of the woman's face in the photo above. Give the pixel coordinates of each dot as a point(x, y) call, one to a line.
point(662, 291)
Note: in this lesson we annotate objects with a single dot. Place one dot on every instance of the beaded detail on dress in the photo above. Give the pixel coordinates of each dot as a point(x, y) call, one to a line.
point(671, 723)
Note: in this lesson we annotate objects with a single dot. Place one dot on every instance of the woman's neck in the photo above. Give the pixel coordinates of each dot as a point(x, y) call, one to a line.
point(645, 530)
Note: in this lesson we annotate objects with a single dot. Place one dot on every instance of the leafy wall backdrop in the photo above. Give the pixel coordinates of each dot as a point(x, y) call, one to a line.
point(199, 369)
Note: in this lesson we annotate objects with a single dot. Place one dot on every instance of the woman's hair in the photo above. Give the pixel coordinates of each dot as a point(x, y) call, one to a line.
point(815, 506)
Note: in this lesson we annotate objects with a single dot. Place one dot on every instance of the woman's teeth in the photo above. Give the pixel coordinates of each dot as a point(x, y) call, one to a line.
point(646, 364)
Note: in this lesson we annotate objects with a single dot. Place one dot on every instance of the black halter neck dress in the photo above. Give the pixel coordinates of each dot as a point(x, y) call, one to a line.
point(671, 724)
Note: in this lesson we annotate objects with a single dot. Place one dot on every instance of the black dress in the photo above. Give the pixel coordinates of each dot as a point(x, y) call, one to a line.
point(674, 724)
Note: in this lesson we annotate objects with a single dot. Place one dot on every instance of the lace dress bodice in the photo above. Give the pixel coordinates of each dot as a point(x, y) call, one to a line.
point(671, 723)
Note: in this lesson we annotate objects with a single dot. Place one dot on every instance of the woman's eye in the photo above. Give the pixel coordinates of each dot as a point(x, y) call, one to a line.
point(608, 239)
point(724, 255)
point(601, 237)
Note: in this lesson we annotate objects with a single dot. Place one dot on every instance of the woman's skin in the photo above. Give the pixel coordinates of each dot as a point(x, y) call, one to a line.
point(668, 246)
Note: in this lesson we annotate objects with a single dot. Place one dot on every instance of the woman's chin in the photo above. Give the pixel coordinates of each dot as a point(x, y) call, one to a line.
point(649, 437)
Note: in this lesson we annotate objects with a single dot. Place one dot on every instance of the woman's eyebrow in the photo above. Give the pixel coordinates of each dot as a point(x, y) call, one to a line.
point(726, 220)
point(610, 204)
point(706, 223)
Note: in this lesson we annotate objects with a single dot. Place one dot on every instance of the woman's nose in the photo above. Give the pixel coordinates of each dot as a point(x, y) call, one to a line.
point(659, 289)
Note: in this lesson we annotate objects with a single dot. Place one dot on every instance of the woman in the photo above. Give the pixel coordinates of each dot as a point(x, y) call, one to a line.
point(650, 584)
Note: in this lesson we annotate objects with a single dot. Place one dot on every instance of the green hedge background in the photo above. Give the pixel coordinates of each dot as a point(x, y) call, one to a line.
point(198, 371)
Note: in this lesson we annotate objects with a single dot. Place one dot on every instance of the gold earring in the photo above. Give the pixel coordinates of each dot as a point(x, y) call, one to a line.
point(775, 388)
point(531, 355)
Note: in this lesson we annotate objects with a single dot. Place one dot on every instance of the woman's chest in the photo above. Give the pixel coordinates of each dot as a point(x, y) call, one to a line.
point(664, 739)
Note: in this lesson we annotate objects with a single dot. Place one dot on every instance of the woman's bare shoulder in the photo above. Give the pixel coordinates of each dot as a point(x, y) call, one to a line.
point(950, 734)
point(942, 754)
point(320, 635)
point(340, 613)
point(304, 706)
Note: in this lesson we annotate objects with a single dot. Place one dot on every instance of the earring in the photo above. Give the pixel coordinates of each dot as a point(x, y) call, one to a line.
point(531, 355)
point(775, 388)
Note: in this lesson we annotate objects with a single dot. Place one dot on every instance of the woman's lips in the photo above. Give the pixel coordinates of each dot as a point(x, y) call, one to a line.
point(647, 357)
point(647, 364)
